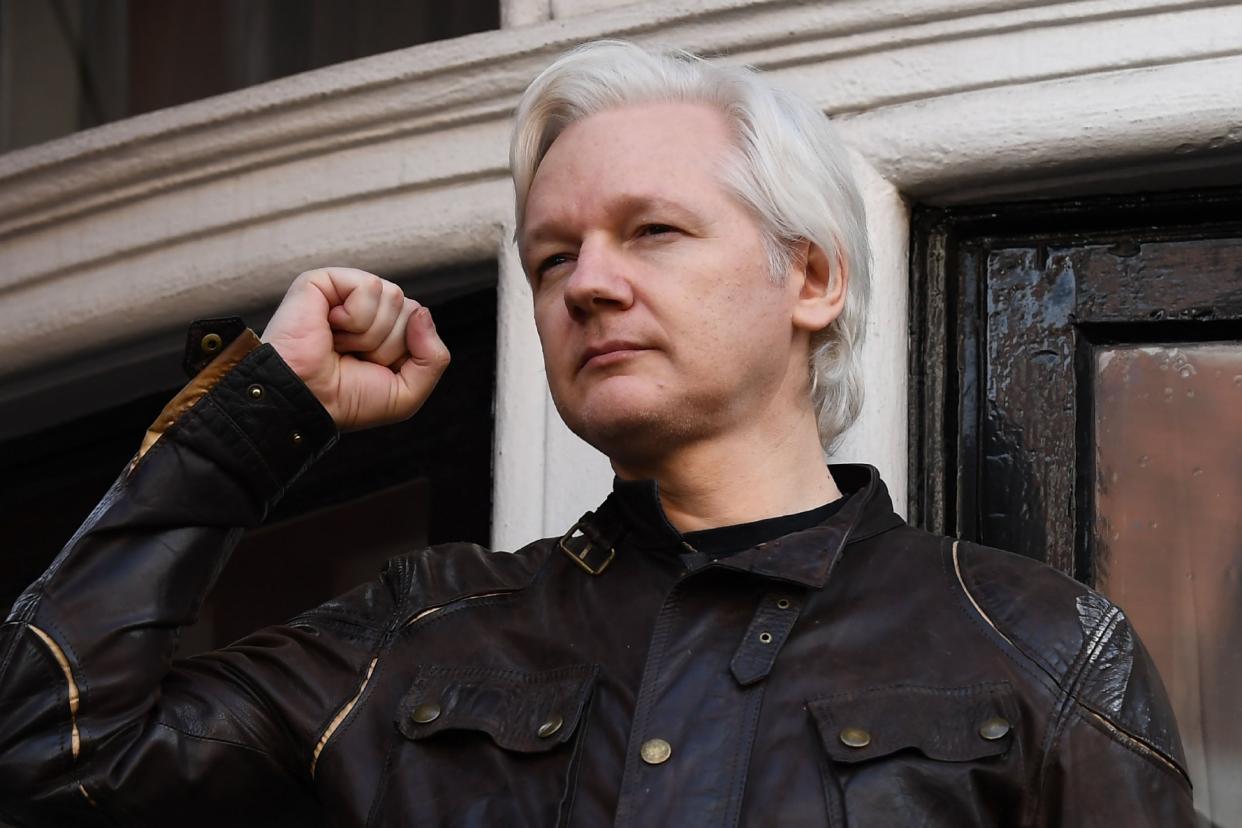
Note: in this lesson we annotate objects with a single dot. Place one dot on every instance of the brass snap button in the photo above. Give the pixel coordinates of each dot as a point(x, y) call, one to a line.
point(550, 727)
point(255, 391)
point(296, 437)
point(656, 751)
point(782, 603)
point(765, 637)
point(426, 712)
point(855, 737)
point(211, 343)
point(994, 728)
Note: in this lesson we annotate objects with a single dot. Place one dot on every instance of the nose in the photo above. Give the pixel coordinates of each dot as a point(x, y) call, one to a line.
point(599, 281)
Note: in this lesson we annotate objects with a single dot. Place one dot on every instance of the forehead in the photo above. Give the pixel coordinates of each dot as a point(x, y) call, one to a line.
point(668, 152)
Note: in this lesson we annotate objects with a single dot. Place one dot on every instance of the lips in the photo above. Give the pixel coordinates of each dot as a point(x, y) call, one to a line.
point(602, 350)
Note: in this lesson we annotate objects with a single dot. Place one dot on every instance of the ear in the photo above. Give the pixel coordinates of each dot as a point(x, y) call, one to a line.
point(822, 285)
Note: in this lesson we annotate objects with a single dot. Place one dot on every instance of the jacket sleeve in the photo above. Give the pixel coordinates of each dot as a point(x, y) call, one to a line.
point(1109, 754)
point(98, 723)
point(1116, 758)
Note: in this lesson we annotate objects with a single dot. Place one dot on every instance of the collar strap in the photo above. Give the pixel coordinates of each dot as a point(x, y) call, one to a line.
point(592, 542)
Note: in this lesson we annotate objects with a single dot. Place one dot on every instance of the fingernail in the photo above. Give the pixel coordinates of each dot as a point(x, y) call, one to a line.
point(424, 314)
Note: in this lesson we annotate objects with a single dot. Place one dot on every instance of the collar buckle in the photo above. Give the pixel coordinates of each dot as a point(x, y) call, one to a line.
point(583, 544)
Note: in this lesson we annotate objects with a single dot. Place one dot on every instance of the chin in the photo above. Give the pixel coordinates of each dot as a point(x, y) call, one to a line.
point(627, 428)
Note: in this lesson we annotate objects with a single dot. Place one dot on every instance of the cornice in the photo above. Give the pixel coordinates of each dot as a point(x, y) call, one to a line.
point(448, 84)
point(398, 161)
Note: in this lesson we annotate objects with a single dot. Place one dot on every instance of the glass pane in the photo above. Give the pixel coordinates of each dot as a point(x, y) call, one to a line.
point(1168, 539)
point(75, 64)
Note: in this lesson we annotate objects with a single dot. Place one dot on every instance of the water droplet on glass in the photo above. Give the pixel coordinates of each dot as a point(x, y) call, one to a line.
point(1155, 524)
point(1186, 371)
point(1168, 394)
point(1198, 472)
point(1238, 380)
point(1190, 392)
point(1143, 461)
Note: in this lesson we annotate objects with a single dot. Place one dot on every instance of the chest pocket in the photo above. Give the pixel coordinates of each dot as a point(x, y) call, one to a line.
point(485, 746)
point(931, 756)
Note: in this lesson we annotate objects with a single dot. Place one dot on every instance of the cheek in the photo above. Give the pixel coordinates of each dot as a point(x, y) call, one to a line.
point(548, 323)
point(556, 334)
point(742, 328)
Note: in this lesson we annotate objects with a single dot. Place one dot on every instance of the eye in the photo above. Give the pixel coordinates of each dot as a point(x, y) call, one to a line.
point(656, 229)
point(551, 262)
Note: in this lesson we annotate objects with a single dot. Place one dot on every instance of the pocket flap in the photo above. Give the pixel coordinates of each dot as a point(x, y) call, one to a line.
point(952, 724)
point(527, 712)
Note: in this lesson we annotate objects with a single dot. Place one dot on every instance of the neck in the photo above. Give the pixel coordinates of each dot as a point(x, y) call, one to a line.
point(773, 467)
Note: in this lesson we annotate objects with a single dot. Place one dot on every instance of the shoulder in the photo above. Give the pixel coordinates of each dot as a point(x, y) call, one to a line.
point(1080, 639)
point(438, 575)
point(1045, 614)
point(432, 576)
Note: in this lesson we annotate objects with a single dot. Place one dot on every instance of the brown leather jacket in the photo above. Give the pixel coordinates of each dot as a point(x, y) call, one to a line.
point(859, 673)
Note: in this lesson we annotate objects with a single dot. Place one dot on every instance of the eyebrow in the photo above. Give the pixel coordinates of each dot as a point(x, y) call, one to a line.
point(626, 204)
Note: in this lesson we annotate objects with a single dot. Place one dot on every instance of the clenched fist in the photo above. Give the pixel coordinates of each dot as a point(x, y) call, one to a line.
point(368, 354)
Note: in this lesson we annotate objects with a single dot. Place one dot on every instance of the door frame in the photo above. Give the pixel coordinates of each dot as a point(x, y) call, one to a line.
point(948, 337)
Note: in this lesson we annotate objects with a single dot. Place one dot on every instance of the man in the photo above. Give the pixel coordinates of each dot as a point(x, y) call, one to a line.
point(738, 635)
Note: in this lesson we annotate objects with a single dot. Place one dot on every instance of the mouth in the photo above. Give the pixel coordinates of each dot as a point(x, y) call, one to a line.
point(609, 353)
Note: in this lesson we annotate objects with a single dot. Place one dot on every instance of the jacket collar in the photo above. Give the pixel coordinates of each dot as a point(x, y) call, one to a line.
point(633, 514)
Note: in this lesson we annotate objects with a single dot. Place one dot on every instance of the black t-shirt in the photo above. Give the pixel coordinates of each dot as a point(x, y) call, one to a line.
point(727, 540)
point(639, 504)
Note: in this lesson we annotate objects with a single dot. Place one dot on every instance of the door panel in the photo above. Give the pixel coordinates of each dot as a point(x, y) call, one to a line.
point(1168, 535)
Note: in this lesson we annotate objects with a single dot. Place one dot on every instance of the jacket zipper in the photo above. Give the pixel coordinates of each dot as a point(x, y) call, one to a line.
point(340, 717)
point(343, 713)
point(1137, 744)
point(430, 611)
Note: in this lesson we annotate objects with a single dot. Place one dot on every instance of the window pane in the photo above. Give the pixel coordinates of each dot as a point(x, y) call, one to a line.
point(75, 64)
point(1168, 538)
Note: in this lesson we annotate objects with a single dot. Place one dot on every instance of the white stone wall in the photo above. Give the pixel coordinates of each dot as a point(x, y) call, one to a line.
point(398, 162)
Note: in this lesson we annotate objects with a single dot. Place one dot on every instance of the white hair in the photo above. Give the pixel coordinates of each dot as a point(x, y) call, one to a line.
point(791, 170)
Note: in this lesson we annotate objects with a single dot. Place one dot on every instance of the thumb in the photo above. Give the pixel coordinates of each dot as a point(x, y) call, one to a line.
point(423, 342)
point(428, 357)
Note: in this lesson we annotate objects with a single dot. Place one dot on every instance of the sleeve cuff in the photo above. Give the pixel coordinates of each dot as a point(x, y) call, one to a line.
point(271, 405)
point(249, 382)
point(208, 375)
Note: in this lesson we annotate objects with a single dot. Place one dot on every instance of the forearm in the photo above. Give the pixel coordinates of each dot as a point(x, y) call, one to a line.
point(86, 647)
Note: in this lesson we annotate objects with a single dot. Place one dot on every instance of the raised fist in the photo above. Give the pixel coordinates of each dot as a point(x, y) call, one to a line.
point(368, 354)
